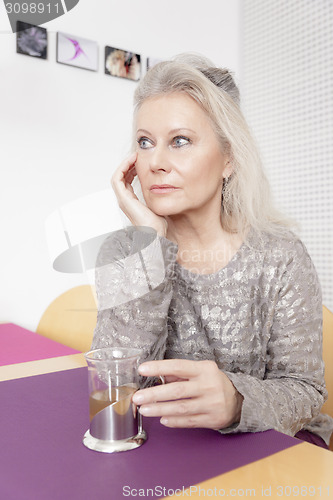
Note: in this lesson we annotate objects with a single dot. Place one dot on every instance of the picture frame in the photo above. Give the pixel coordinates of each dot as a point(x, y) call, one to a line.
point(76, 51)
point(31, 40)
point(122, 63)
point(151, 61)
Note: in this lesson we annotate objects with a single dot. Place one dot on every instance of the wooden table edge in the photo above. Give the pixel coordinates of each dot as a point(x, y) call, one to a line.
point(41, 366)
point(303, 470)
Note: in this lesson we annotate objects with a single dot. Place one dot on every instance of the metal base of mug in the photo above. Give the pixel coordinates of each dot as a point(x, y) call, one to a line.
point(114, 446)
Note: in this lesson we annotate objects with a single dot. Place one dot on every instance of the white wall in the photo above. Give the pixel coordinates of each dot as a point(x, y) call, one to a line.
point(64, 130)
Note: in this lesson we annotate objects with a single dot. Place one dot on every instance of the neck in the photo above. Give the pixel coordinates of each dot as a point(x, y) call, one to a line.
point(197, 229)
point(203, 245)
point(189, 232)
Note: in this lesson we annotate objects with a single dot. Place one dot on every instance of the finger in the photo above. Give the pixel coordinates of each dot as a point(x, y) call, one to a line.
point(123, 168)
point(181, 368)
point(185, 407)
point(167, 392)
point(189, 422)
point(172, 378)
point(130, 175)
point(128, 163)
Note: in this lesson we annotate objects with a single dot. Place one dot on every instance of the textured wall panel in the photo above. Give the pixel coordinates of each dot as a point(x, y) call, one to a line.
point(287, 96)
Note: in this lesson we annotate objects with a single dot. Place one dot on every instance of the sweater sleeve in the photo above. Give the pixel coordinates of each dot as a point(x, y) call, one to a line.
point(133, 281)
point(293, 389)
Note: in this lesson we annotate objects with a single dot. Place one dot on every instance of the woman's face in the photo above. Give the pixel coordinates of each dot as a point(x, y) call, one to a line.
point(180, 164)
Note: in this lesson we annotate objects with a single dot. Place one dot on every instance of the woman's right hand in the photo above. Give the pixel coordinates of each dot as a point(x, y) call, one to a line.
point(138, 213)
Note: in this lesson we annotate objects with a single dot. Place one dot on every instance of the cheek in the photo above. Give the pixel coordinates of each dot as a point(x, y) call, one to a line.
point(141, 170)
point(205, 171)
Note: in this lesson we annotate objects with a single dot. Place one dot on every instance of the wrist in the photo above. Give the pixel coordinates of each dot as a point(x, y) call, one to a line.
point(162, 230)
point(238, 407)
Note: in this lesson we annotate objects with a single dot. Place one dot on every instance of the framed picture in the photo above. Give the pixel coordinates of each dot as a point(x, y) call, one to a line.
point(31, 40)
point(151, 61)
point(122, 63)
point(76, 51)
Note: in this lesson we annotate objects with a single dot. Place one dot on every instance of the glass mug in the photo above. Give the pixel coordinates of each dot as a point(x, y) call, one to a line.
point(115, 422)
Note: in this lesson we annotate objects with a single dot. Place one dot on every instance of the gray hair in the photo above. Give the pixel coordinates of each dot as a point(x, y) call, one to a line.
point(246, 198)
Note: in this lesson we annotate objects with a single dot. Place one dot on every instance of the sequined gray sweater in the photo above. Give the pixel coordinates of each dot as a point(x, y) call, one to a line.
point(259, 318)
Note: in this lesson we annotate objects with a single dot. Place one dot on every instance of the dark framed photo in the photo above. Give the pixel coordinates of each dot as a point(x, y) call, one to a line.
point(122, 63)
point(151, 61)
point(31, 40)
point(76, 51)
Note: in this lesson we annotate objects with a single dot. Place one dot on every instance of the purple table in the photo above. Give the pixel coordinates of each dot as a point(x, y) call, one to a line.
point(43, 419)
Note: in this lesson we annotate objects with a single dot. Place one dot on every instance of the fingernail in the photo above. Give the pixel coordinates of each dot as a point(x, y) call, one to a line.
point(138, 399)
point(144, 369)
point(164, 421)
point(145, 410)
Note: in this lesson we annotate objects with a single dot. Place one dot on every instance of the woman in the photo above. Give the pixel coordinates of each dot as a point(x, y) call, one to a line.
point(235, 323)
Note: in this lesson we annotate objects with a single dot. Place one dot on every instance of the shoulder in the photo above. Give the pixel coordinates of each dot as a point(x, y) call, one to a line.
point(284, 246)
point(283, 255)
point(288, 254)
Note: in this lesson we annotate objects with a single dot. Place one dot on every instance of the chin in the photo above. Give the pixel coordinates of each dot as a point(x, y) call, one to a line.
point(163, 209)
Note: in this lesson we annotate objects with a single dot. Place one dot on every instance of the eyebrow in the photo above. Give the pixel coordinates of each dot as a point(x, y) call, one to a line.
point(173, 131)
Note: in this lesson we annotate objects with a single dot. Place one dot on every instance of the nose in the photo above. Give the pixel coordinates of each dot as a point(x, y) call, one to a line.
point(159, 160)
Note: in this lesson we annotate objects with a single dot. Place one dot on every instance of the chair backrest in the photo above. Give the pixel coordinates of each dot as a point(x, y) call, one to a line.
point(71, 318)
point(328, 359)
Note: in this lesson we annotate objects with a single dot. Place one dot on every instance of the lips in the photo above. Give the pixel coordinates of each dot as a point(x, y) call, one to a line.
point(162, 188)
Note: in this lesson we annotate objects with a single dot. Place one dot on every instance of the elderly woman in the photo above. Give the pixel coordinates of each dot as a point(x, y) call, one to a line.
point(235, 323)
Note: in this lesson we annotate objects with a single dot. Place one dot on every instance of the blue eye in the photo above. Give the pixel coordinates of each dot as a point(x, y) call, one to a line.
point(181, 141)
point(144, 143)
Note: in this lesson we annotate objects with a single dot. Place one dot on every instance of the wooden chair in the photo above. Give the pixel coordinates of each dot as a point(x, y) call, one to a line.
point(328, 359)
point(71, 318)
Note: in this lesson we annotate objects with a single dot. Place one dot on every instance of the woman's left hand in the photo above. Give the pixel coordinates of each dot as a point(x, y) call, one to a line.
point(197, 394)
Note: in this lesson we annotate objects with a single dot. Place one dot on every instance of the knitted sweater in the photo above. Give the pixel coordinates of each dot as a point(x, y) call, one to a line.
point(259, 318)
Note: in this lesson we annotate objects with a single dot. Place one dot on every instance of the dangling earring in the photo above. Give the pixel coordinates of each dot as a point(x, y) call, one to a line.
point(225, 182)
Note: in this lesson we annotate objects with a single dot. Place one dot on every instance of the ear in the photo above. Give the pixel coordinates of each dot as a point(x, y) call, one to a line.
point(228, 168)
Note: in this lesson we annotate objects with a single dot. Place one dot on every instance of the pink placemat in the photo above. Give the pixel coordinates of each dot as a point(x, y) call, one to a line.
point(18, 345)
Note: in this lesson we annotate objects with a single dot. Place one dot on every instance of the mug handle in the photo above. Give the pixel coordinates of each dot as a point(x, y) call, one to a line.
point(162, 382)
